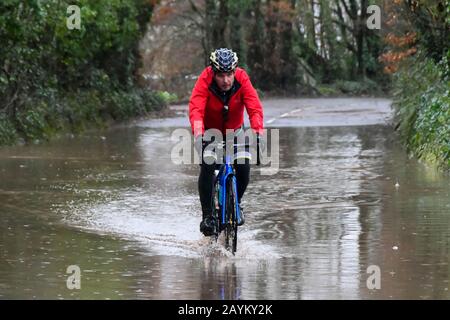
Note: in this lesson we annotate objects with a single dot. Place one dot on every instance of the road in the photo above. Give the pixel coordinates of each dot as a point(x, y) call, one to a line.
point(346, 199)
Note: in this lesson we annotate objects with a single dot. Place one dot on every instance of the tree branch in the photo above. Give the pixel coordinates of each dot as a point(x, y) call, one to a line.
point(196, 10)
point(14, 98)
point(347, 10)
point(193, 20)
point(342, 24)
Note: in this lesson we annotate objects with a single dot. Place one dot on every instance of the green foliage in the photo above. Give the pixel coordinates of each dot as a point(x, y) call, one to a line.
point(416, 76)
point(328, 90)
point(432, 128)
point(166, 97)
point(430, 18)
point(8, 134)
point(53, 78)
point(351, 88)
point(108, 35)
point(51, 112)
point(31, 121)
point(422, 84)
point(125, 105)
point(422, 102)
point(365, 86)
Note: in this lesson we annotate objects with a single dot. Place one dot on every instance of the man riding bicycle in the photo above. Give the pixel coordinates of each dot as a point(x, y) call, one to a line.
point(217, 102)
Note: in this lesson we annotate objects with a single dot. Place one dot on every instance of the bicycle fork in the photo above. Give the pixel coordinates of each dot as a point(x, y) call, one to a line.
point(227, 174)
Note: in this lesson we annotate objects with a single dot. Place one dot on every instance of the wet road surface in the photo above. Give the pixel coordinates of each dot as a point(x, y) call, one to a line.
point(345, 197)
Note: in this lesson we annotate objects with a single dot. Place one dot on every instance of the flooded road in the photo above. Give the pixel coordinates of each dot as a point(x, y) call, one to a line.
point(345, 197)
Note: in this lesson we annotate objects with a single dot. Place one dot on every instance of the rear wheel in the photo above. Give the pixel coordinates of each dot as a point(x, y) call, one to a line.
point(231, 223)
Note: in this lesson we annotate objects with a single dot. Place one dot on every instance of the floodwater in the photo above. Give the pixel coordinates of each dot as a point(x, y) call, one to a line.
point(345, 198)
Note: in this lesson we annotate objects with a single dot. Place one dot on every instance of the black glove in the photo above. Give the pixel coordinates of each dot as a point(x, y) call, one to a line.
point(261, 146)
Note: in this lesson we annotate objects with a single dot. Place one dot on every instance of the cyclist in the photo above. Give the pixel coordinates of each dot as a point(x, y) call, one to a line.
point(217, 102)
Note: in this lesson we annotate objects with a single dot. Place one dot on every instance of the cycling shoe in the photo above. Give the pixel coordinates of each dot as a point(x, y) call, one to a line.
point(208, 226)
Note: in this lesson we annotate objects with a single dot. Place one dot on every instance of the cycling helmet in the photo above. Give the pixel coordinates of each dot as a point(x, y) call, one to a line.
point(223, 60)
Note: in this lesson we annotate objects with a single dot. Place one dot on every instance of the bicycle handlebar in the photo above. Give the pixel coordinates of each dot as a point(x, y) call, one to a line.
point(221, 144)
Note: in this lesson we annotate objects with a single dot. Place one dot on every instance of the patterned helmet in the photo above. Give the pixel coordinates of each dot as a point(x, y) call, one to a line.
point(223, 60)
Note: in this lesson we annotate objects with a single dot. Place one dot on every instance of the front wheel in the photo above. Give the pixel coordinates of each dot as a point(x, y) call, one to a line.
point(231, 221)
point(216, 210)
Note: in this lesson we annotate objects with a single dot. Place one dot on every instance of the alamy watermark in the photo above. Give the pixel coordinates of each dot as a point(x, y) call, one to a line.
point(374, 280)
point(74, 20)
point(74, 280)
point(374, 20)
point(239, 147)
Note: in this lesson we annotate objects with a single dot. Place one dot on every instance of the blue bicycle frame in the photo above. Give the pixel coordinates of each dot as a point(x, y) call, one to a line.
point(226, 172)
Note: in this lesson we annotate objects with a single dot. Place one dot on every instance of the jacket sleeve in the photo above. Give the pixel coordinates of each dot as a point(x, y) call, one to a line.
point(252, 104)
point(197, 104)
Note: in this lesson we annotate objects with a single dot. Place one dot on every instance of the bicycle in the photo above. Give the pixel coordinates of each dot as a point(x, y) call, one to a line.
point(226, 210)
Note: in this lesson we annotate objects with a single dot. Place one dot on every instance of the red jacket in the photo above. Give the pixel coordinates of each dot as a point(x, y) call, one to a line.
point(206, 106)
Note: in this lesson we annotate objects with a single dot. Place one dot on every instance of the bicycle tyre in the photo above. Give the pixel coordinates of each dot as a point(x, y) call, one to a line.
point(216, 209)
point(231, 222)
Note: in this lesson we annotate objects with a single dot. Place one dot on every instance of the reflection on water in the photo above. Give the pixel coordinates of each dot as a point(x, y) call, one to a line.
point(115, 205)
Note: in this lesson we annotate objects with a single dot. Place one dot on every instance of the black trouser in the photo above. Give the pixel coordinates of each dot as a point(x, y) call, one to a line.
point(206, 184)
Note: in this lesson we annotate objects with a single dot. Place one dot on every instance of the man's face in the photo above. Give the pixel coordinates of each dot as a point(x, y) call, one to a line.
point(224, 80)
